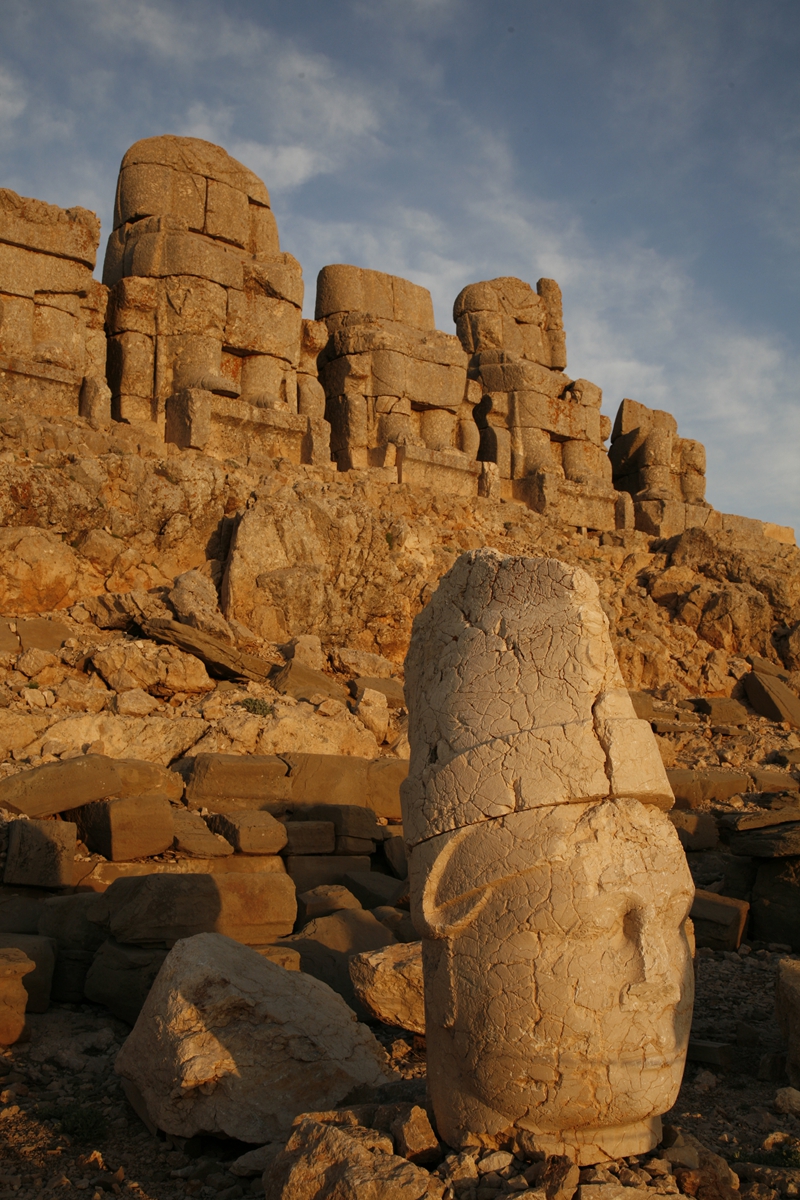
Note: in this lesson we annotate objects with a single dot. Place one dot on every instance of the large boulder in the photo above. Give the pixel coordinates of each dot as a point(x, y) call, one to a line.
point(230, 1043)
point(326, 944)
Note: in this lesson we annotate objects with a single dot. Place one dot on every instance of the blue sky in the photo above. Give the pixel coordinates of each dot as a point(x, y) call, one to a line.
point(644, 153)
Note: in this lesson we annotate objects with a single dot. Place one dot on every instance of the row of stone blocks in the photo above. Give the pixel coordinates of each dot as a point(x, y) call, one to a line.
point(206, 345)
point(271, 827)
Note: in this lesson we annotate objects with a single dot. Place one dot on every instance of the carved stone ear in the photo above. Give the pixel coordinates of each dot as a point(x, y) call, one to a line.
point(449, 896)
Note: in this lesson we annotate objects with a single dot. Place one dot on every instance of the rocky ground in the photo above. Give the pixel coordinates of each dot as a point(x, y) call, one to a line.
point(67, 1128)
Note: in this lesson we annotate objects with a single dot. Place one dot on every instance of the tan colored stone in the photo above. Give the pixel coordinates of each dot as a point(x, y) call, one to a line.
point(127, 828)
point(342, 288)
point(787, 1007)
point(323, 1161)
point(120, 977)
point(250, 832)
point(219, 1020)
point(388, 982)
point(14, 965)
point(161, 908)
point(193, 836)
point(56, 787)
point(40, 853)
point(511, 664)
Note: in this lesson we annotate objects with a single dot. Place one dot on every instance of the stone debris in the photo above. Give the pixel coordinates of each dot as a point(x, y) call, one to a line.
point(221, 1019)
point(388, 983)
point(14, 966)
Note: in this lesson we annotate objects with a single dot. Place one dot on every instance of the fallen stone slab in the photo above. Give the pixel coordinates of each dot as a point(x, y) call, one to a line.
point(398, 921)
point(304, 683)
point(771, 698)
point(218, 655)
point(235, 781)
point(40, 853)
point(40, 633)
point(388, 983)
point(310, 837)
point(120, 977)
point(342, 778)
point(696, 830)
point(326, 944)
point(42, 953)
point(282, 956)
point(372, 888)
point(249, 832)
point(777, 841)
point(761, 818)
point(323, 900)
point(193, 837)
point(219, 1021)
point(59, 786)
point(719, 921)
point(14, 966)
point(773, 781)
point(325, 1162)
point(97, 878)
point(349, 820)
point(392, 689)
point(722, 710)
point(701, 788)
point(253, 908)
point(309, 871)
point(128, 828)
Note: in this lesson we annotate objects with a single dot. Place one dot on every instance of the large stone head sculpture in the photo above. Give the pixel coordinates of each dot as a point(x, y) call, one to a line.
point(548, 885)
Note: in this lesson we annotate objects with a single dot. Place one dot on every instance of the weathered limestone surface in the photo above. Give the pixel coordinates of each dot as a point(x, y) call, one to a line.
point(52, 340)
point(388, 982)
point(219, 1021)
point(396, 386)
point(205, 313)
point(544, 432)
point(533, 809)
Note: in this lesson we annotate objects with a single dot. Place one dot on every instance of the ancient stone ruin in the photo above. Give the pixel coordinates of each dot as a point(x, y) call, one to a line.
point(549, 887)
point(260, 575)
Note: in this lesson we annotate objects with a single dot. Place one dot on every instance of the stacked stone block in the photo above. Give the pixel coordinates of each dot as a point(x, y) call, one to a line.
point(205, 319)
point(396, 387)
point(665, 474)
point(52, 340)
point(544, 431)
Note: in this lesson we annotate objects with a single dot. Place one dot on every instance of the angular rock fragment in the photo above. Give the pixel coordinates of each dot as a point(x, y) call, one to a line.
point(219, 1021)
point(40, 853)
point(388, 982)
point(56, 787)
point(324, 1162)
point(127, 828)
point(250, 832)
point(193, 836)
point(326, 945)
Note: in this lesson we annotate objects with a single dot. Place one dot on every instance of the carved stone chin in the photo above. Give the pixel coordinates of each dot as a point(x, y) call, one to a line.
point(549, 888)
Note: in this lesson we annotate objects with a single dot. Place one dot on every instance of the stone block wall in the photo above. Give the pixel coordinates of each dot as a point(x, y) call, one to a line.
point(665, 474)
point(52, 310)
point(205, 316)
point(396, 388)
point(545, 432)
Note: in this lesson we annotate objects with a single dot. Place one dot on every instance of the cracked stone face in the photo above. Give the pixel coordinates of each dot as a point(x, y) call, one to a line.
point(550, 890)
